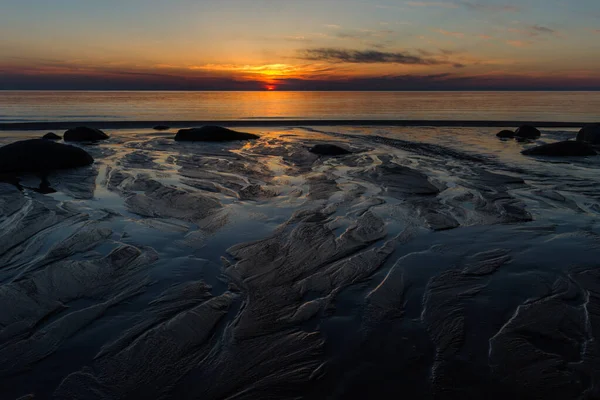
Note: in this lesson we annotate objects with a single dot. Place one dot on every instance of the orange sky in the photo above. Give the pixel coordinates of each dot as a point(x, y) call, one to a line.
point(327, 44)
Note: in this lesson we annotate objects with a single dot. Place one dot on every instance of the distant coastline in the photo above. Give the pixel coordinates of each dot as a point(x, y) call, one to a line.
point(58, 125)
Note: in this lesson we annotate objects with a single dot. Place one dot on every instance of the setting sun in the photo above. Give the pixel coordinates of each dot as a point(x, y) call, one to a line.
point(270, 87)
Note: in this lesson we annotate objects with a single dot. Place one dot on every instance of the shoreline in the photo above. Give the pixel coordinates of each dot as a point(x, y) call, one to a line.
point(57, 125)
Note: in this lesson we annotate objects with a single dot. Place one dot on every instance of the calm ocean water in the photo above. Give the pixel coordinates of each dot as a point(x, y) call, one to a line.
point(42, 106)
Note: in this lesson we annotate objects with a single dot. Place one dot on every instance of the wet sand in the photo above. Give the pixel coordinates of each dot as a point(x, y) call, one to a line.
point(431, 263)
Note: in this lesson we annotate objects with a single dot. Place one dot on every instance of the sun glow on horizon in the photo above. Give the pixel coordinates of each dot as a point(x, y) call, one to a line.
point(269, 73)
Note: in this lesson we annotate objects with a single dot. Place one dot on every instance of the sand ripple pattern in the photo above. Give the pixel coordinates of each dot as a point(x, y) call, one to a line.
point(431, 261)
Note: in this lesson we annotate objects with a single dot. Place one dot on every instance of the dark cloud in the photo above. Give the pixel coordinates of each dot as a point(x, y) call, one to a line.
point(442, 82)
point(542, 29)
point(533, 30)
point(133, 80)
point(369, 57)
point(124, 80)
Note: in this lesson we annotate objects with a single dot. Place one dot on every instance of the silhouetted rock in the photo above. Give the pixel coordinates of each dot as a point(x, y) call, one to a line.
point(329, 150)
point(51, 136)
point(505, 134)
point(41, 155)
point(589, 134)
point(527, 132)
point(161, 128)
point(84, 134)
point(567, 148)
point(212, 134)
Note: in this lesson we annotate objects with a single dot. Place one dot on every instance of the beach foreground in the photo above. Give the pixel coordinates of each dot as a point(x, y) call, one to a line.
point(429, 262)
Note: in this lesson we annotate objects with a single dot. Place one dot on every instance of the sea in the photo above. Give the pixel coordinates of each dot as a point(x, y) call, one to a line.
point(62, 106)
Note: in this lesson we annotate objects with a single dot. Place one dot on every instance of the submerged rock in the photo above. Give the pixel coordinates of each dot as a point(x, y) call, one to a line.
point(161, 128)
point(41, 155)
point(568, 148)
point(505, 134)
point(527, 132)
point(84, 134)
point(212, 134)
point(329, 150)
point(589, 134)
point(51, 136)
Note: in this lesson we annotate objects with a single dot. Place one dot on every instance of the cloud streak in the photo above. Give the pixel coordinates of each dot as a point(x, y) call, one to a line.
point(334, 55)
point(470, 5)
point(453, 34)
point(533, 30)
point(55, 78)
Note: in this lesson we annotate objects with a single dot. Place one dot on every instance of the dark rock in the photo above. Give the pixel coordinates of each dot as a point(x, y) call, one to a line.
point(567, 148)
point(161, 128)
point(527, 132)
point(329, 150)
point(438, 221)
point(401, 181)
point(589, 134)
point(212, 134)
point(38, 155)
point(51, 136)
point(505, 134)
point(84, 134)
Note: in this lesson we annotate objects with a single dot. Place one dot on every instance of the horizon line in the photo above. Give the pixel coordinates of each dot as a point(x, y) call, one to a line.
point(304, 90)
point(60, 125)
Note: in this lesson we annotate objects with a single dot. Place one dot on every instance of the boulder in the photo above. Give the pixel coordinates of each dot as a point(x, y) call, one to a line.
point(84, 134)
point(212, 134)
point(329, 150)
point(161, 128)
point(505, 134)
point(527, 132)
point(51, 136)
point(567, 148)
point(589, 134)
point(40, 155)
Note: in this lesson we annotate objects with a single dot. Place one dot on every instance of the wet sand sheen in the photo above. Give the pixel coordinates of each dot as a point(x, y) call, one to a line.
point(437, 261)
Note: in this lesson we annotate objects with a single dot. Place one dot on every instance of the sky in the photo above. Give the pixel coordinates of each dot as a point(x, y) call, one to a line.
point(300, 45)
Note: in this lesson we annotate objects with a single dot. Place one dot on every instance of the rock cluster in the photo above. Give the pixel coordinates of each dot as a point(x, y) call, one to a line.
point(524, 132)
point(212, 134)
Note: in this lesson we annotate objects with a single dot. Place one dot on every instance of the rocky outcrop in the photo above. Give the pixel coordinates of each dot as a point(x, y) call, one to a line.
point(506, 134)
point(39, 155)
point(527, 132)
point(401, 181)
point(589, 134)
point(51, 136)
point(212, 134)
point(567, 148)
point(329, 150)
point(84, 134)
